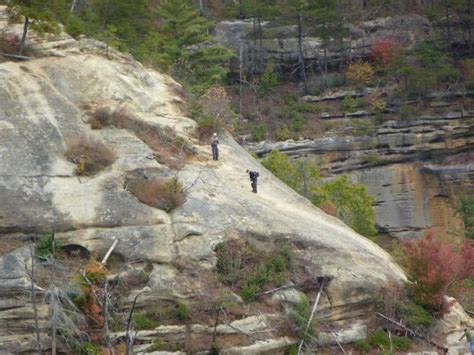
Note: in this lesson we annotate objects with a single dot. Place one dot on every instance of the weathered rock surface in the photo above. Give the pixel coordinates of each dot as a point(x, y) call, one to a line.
point(42, 107)
point(414, 168)
point(280, 43)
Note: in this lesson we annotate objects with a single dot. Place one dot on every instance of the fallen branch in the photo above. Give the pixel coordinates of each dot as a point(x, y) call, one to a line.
point(16, 56)
point(335, 338)
point(227, 323)
point(412, 332)
point(275, 290)
point(111, 249)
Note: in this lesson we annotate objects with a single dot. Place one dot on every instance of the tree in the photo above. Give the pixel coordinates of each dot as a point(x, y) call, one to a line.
point(40, 14)
point(298, 9)
point(433, 267)
point(352, 202)
point(127, 22)
point(329, 26)
point(466, 210)
point(178, 46)
point(354, 205)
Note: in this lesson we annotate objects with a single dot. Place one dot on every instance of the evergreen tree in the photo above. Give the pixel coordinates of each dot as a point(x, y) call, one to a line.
point(130, 20)
point(40, 14)
point(183, 46)
point(328, 22)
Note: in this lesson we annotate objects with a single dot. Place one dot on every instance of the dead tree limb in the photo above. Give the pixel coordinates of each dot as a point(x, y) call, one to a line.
point(16, 56)
point(313, 311)
point(107, 255)
point(129, 338)
point(227, 323)
point(31, 276)
point(106, 318)
point(412, 332)
point(53, 299)
point(275, 290)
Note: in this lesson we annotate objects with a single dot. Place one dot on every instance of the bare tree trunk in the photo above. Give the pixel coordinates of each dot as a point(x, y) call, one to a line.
point(240, 76)
point(325, 77)
point(23, 37)
point(448, 22)
point(128, 337)
point(73, 5)
point(469, 26)
point(53, 299)
point(201, 8)
point(254, 49)
point(105, 306)
point(305, 179)
point(313, 311)
point(301, 54)
point(31, 274)
point(260, 49)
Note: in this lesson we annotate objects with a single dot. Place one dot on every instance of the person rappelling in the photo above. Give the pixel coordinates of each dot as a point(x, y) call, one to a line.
point(214, 147)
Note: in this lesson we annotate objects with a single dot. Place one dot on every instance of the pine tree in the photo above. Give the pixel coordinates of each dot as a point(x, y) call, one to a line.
point(41, 14)
point(328, 23)
point(183, 46)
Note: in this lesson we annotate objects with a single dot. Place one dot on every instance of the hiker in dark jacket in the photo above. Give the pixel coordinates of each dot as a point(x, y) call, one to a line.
point(215, 149)
point(253, 178)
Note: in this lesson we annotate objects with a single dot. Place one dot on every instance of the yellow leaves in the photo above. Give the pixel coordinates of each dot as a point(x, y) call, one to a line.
point(360, 73)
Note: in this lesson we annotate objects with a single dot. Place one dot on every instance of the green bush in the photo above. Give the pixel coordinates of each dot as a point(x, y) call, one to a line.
point(44, 246)
point(291, 350)
point(379, 340)
point(362, 345)
point(466, 210)
point(282, 133)
point(249, 293)
point(349, 104)
point(142, 321)
point(297, 121)
point(258, 132)
point(241, 266)
point(207, 126)
point(91, 349)
point(401, 343)
point(414, 315)
point(352, 201)
point(300, 317)
point(181, 311)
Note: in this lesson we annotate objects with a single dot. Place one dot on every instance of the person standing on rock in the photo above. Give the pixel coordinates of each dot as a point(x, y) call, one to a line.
point(214, 147)
point(253, 178)
point(469, 338)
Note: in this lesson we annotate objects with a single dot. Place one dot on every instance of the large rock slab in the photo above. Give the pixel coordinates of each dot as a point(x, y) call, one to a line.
point(43, 106)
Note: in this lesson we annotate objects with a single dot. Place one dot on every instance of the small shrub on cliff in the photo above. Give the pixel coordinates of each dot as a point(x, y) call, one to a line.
point(44, 246)
point(299, 316)
point(142, 321)
point(241, 266)
point(159, 192)
point(362, 346)
point(384, 50)
point(435, 266)
point(91, 156)
point(360, 73)
point(170, 149)
point(466, 210)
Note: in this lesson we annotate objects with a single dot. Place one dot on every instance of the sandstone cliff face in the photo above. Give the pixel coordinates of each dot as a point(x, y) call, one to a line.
point(415, 168)
point(280, 43)
point(43, 106)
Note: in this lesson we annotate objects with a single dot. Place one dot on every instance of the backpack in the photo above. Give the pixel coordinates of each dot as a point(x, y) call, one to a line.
point(254, 175)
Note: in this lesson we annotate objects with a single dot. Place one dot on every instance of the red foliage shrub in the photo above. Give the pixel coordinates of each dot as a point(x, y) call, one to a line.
point(434, 266)
point(385, 49)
